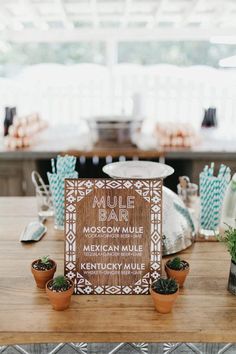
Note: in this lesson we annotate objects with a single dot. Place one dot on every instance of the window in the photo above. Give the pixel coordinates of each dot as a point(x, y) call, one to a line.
point(183, 53)
point(15, 56)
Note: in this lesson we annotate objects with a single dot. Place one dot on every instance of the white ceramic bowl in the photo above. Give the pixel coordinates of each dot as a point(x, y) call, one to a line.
point(138, 169)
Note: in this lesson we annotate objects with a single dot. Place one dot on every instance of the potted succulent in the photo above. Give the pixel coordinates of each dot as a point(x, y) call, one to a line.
point(229, 238)
point(164, 292)
point(43, 270)
point(59, 291)
point(177, 269)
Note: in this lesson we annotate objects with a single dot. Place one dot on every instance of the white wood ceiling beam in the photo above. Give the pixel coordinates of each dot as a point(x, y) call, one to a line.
point(158, 13)
point(125, 17)
point(220, 14)
point(88, 18)
point(115, 18)
point(221, 11)
point(120, 34)
point(64, 17)
point(94, 13)
point(38, 20)
point(7, 20)
point(186, 18)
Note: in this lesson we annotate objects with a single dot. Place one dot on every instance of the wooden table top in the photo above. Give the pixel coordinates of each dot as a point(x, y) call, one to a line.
point(204, 311)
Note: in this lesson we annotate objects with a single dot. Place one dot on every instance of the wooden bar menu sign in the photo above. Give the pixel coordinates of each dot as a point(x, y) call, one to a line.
point(113, 234)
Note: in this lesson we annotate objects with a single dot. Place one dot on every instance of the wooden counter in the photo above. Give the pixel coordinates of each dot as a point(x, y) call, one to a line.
point(62, 140)
point(16, 166)
point(204, 311)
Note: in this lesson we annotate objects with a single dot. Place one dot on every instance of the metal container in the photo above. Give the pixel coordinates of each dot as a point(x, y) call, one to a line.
point(177, 225)
point(117, 129)
point(232, 278)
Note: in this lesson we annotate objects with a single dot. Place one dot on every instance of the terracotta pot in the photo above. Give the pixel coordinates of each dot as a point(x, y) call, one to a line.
point(60, 300)
point(43, 276)
point(164, 303)
point(232, 278)
point(178, 275)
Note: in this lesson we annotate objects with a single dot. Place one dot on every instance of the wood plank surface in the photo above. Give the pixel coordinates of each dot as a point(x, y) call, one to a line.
point(204, 311)
point(116, 151)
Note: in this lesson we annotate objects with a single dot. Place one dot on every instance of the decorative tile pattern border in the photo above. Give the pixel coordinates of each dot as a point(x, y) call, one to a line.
point(121, 348)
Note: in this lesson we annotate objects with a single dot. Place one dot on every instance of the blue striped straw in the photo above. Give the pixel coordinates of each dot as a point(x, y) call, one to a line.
point(211, 169)
point(212, 191)
point(66, 164)
point(222, 171)
point(63, 167)
point(227, 175)
point(53, 166)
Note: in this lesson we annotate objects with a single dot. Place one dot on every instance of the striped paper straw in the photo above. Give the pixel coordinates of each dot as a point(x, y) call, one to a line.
point(206, 201)
point(53, 166)
point(216, 203)
point(65, 164)
point(64, 167)
point(212, 192)
point(57, 188)
point(205, 196)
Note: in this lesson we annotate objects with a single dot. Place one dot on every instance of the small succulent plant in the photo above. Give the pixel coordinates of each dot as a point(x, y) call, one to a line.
point(165, 286)
point(177, 264)
point(60, 283)
point(43, 263)
point(45, 260)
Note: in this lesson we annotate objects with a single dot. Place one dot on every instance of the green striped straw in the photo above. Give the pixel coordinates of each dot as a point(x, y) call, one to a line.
point(64, 167)
point(65, 164)
point(206, 183)
point(53, 166)
point(212, 192)
point(56, 183)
